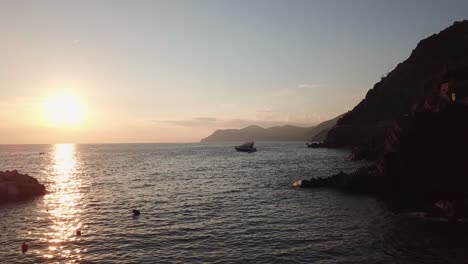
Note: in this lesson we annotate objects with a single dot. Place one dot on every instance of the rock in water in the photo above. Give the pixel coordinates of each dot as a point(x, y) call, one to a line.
point(301, 184)
point(136, 212)
point(15, 186)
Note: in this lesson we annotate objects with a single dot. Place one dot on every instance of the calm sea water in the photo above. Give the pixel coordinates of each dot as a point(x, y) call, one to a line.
point(206, 203)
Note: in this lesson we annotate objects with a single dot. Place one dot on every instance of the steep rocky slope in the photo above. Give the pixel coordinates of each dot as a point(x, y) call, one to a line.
point(437, 59)
point(414, 125)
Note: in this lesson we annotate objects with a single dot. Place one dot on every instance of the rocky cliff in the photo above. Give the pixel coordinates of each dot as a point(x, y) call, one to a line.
point(424, 154)
point(414, 124)
point(438, 59)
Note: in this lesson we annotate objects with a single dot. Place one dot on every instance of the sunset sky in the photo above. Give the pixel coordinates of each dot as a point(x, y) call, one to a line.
point(174, 71)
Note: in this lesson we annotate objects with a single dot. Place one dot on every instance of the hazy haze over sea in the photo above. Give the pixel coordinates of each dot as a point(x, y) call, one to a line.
point(205, 203)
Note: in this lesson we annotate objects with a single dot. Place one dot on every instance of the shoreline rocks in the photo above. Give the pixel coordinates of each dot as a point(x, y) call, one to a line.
point(363, 180)
point(316, 145)
point(15, 186)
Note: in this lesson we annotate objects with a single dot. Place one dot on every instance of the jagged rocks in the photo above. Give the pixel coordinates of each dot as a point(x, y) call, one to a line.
point(15, 186)
point(363, 180)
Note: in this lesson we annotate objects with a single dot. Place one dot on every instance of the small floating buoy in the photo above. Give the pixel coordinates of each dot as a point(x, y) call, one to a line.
point(24, 247)
point(136, 212)
point(78, 232)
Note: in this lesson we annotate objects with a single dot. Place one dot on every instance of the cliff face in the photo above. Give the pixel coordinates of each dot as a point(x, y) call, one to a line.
point(414, 124)
point(440, 58)
point(422, 160)
point(424, 155)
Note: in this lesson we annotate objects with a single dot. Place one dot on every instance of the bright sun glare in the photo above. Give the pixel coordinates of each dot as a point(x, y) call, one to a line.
point(64, 110)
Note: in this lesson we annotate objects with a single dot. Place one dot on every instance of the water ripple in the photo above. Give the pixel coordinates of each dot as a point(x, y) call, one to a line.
point(205, 203)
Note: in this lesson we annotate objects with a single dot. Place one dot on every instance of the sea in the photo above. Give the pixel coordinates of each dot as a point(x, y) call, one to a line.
point(206, 203)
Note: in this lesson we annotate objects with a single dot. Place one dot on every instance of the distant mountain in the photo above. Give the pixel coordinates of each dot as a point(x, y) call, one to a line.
point(257, 133)
point(276, 133)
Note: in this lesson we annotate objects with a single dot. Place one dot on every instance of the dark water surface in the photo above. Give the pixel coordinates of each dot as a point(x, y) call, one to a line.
point(206, 203)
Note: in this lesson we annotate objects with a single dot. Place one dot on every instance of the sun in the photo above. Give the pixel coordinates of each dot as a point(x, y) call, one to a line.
point(64, 110)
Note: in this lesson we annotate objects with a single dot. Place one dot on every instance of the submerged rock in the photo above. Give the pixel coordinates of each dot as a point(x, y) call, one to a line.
point(15, 186)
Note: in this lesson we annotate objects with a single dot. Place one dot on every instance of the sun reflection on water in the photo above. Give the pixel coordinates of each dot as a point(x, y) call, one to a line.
point(64, 206)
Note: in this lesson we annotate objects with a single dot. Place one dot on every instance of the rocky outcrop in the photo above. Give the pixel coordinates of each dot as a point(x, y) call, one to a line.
point(423, 161)
point(363, 180)
point(15, 186)
point(316, 145)
point(437, 59)
point(414, 125)
point(424, 155)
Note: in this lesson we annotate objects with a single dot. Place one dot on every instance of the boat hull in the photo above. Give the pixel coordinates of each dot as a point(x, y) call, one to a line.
point(245, 149)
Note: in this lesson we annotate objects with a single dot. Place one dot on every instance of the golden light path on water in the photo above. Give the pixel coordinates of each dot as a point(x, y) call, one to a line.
point(64, 206)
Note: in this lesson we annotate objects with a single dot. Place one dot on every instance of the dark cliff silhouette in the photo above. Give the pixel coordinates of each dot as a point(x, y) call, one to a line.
point(414, 125)
point(406, 89)
point(15, 186)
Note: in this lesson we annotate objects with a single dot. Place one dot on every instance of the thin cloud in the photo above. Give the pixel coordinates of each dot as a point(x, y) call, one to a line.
point(282, 92)
point(226, 105)
point(207, 119)
point(308, 85)
point(195, 122)
point(300, 86)
point(265, 110)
